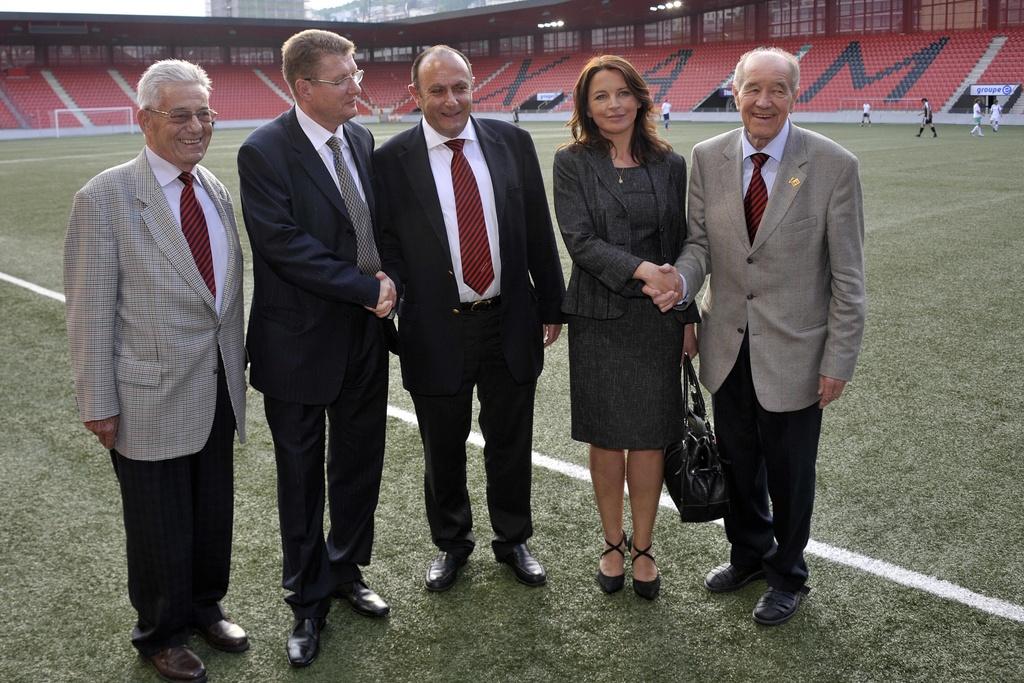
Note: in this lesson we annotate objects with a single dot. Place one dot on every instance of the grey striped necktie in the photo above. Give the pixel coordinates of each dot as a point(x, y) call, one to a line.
point(367, 257)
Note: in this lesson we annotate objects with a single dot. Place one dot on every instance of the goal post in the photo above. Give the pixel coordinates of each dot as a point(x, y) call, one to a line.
point(119, 119)
point(853, 108)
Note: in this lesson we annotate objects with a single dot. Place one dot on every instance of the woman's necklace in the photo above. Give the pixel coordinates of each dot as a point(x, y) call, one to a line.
point(618, 169)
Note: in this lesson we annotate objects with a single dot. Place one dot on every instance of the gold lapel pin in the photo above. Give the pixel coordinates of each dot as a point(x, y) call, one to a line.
point(795, 182)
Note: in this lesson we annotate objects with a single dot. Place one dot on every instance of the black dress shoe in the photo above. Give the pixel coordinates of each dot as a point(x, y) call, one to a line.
point(225, 636)
point(443, 571)
point(777, 607)
point(613, 584)
point(648, 590)
point(527, 569)
point(729, 577)
point(304, 641)
point(362, 599)
point(179, 664)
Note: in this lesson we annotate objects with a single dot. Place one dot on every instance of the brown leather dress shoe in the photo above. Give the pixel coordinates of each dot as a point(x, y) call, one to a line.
point(225, 636)
point(179, 664)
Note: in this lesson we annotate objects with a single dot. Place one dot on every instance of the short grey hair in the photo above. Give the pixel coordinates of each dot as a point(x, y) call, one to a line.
point(740, 75)
point(167, 72)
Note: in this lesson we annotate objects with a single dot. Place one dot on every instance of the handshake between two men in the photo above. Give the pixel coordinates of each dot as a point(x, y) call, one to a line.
point(388, 298)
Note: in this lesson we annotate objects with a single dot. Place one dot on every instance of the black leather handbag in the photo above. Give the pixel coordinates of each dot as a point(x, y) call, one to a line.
point(693, 470)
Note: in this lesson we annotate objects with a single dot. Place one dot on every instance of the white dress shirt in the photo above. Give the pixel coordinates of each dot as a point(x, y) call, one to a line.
point(770, 169)
point(318, 137)
point(167, 176)
point(441, 166)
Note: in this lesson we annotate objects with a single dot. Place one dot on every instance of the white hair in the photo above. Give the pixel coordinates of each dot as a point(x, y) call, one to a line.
point(740, 75)
point(166, 72)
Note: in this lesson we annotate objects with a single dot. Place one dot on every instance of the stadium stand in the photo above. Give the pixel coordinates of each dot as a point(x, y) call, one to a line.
point(1008, 65)
point(35, 98)
point(7, 118)
point(238, 93)
point(93, 87)
point(838, 73)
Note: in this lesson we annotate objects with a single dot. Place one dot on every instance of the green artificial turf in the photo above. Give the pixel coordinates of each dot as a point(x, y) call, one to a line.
point(919, 466)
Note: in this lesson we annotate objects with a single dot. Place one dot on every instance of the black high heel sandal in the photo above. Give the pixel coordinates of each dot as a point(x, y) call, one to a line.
point(648, 590)
point(613, 584)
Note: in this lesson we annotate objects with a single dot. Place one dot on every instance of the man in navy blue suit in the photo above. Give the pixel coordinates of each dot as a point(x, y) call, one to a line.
point(318, 328)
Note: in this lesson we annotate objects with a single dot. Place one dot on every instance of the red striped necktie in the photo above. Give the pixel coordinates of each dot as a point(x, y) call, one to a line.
point(474, 247)
point(193, 224)
point(757, 196)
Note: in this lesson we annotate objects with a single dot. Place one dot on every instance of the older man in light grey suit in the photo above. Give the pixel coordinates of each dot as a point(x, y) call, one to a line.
point(153, 277)
point(775, 217)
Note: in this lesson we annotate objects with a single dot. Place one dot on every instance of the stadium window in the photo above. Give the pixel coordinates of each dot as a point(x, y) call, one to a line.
point(253, 55)
point(944, 15)
point(561, 41)
point(17, 55)
point(71, 55)
point(796, 18)
point(672, 31)
point(730, 24)
point(201, 55)
point(392, 54)
point(515, 45)
point(140, 54)
point(474, 48)
point(869, 16)
point(611, 37)
point(1011, 13)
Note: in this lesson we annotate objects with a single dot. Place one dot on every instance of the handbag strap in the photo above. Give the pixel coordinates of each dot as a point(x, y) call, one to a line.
point(690, 377)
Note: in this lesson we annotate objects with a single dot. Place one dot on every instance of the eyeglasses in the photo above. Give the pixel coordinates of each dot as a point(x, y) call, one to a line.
point(182, 116)
point(356, 77)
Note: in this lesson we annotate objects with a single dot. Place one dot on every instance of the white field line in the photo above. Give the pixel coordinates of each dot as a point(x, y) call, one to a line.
point(879, 568)
point(32, 287)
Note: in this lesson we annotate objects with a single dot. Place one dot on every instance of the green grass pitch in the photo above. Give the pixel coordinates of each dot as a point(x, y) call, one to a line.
point(920, 466)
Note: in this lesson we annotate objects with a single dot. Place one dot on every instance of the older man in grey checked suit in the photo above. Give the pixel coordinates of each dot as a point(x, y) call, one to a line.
point(153, 276)
point(776, 219)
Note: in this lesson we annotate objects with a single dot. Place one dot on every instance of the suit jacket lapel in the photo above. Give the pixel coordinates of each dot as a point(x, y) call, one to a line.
point(658, 171)
point(496, 154)
point(788, 180)
point(416, 164)
point(312, 163)
point(731, 173)
point(166, 231)
point(227, 219)
point(362, 159)
point(606, 174)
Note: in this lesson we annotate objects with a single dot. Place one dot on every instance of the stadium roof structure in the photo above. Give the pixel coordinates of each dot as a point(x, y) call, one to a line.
point(496, 21)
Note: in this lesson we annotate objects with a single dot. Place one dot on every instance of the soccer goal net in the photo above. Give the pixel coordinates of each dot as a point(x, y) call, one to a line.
point(113, 119)
point(881, 110)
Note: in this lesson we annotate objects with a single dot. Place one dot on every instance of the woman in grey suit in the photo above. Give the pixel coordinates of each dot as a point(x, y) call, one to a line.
point(620, 197)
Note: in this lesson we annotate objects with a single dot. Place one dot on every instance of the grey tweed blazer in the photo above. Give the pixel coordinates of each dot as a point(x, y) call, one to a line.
point(142, 325)
point(798, 290)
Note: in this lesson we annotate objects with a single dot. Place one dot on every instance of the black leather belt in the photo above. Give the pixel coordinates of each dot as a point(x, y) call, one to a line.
point(481, 305)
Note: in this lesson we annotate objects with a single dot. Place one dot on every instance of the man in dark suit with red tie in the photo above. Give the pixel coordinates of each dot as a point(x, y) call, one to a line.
point(467, 238)
point(316, 347)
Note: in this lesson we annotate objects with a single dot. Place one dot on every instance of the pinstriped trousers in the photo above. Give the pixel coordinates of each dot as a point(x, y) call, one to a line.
point(178, 516)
